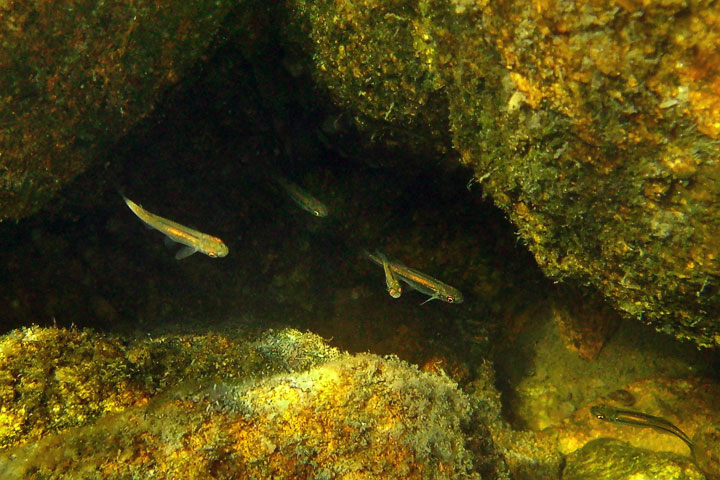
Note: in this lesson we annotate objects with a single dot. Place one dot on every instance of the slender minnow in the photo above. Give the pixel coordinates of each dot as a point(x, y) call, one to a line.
point(391, 281)
point(193, 240)
point(639, 419)
point(304, 200)
point(422, 283)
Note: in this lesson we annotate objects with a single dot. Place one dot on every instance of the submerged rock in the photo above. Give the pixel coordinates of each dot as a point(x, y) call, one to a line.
point(611, 459)
point(689, 403)
point(77, 75)
point(594, 126)
point(52, 379)
point(706, 450)
point(283, 406)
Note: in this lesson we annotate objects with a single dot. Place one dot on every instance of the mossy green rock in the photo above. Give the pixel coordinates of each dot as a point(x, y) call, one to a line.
point(610, 459)
point(76, 75)
point(375, 59)
point(280, 404)
point(593, 125)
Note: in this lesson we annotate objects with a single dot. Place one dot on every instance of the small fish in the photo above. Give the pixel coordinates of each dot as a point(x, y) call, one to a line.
point(193, 240)
point(421, 282)
point(639, 419)
point(393, 286)
point(306, 201)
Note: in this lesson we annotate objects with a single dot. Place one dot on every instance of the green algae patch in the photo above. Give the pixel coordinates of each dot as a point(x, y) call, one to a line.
point(77, 75)
point(281, 404)
point(52, 379)
point(611, 459)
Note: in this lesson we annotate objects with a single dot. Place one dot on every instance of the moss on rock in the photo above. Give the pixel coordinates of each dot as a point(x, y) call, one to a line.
point(592, 124)
point(611, 459)
point(77, 75)
point(375, 59)
point(282, 405)
point(52, 379)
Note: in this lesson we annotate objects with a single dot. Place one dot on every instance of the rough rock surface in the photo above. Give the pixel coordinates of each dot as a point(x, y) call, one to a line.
point(76, 75)
point(594, 125)
point(284, 405)
point(607, 458)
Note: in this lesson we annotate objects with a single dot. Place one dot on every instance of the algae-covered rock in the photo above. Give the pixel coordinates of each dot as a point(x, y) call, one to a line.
point(706, 450)
point(52, 379)
point(376, 60)
point(283, 405)
point(607, 181)
point(593, 125)
point(610, 459)
point(689, 403)
point(77, 74)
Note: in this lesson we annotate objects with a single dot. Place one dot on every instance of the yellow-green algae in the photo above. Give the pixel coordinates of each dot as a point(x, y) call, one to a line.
point(284, 405)
point(592, 124)
point(611, 459)
point(52, 378)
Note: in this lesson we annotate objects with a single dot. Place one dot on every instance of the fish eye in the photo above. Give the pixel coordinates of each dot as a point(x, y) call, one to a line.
point(450, 299)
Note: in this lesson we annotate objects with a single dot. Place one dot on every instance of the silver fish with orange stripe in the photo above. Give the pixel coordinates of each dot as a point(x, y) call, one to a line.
point(421, 282)
point(193, 240)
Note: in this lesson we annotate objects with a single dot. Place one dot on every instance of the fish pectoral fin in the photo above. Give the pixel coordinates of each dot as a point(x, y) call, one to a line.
point(430, 299)
point(185, 252)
